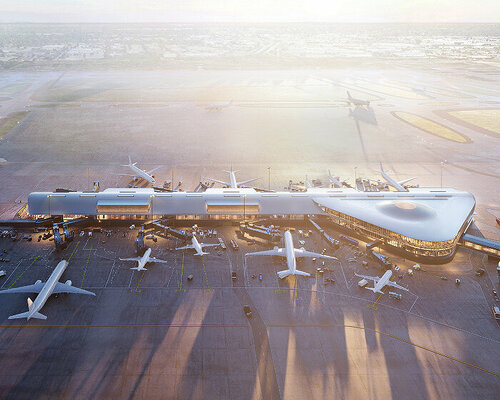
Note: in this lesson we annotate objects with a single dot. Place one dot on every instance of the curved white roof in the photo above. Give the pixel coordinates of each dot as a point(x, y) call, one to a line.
point(423, 215)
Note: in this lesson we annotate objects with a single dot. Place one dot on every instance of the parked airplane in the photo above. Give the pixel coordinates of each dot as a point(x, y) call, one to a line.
point(357, 102)
point(142, 261)
point(232, 180)
point(45, 289)
point(290, 253)
point(399, 186)
point(139, 173)
point(379, 283)
point(218, 107)
point(197, 246)
point(336, 182)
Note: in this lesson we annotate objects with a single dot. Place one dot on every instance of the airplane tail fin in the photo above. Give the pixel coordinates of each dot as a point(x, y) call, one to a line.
point(129, 160)
point(284, 274)
point(201, 254)
point(138, 269)
point(30, 304)
point(349, 95)
point(302, 273)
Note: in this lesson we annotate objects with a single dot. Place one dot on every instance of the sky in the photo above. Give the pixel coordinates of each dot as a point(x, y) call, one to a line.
point(135, 11)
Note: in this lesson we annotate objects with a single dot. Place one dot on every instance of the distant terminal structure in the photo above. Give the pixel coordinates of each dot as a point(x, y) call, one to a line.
point(422, 223)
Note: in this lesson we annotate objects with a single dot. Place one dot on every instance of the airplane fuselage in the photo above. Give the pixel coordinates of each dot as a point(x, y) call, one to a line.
point(142, 174)
point(290, 253)
point(144, 259)
point(382, 281)
point(393, 183)
point(48, 288)
point(196, 245)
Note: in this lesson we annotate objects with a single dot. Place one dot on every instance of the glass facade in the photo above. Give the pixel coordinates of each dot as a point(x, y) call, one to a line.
point(416, 247)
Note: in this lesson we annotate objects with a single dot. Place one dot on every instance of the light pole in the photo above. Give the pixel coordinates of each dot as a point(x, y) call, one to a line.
point(442, 165)
point(244, 207)
point(269, 184)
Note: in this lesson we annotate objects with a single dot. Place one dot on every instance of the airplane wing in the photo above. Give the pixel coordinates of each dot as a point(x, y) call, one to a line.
point(305, 253)
point(35, 288)
point(217, 181)
point(131, 259)
point(156, 260)
point(277, 252)
point(189, 246)
point(153, 170)
point(372, 278)
point(247, 181)
point(64, 288)
point(406, 181)
point(394, 284)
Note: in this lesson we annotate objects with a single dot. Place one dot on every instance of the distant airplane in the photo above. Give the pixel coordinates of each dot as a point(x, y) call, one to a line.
point(335, 181)
point(232, 180)
point(290, 253)
point(45, 289)
point(357, 102)
point(139, 173)
point(399, 186)
point(197, 246)
point(218, 107)
point(381, 282)
point(142, 261)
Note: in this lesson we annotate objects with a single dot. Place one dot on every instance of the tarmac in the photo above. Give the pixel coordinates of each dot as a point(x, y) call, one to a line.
point(154, 334)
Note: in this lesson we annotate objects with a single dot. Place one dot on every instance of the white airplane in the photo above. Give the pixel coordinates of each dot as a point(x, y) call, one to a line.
point(45, 289)
point(197, 246)
point(290, 253)
point(335, 180)
point(142, 261)
point(139, 173)
point(379, 283)
point(218, 107)
point(399, 186)
point(232, 180)
point(357, 102)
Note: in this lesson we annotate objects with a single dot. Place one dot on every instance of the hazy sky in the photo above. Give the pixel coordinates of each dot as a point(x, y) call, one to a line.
point(249, 10)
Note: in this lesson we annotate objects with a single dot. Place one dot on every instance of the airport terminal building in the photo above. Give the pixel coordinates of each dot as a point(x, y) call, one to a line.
point(422, 223)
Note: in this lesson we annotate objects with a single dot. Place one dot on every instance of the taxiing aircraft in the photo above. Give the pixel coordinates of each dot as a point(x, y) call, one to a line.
point(232, 180)
point(290, 253)
point(379, 283)
point(399, 186)
point(197, 246)
point(218, 107)
point(45, 289)
point(142, 261)
point(357, 102)
point(139, 173)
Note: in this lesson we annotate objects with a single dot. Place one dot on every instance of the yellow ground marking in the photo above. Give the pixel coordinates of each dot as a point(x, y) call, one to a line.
point(295, 295)
point(246, 326)
point(136, 289)
point(73, 252)
point(431, 127)
point(373, 306)
point(206, 277)
point(27, 268)
point(486, 119)
point(182, 274)
point(86, 264)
